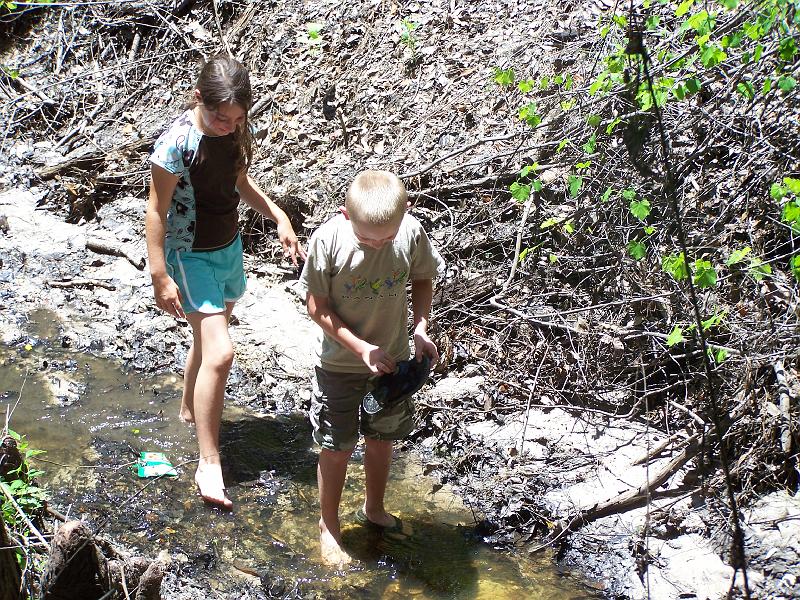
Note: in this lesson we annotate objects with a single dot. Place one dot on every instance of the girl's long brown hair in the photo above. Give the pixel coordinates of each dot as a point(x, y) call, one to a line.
point(224, 79)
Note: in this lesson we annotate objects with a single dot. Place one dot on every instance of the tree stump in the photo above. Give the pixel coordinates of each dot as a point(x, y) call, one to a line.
point(80, 568)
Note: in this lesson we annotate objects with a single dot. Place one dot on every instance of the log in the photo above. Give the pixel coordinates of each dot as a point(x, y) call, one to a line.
point(82, 567)
point(10, 576)
point(92, 160)
point(638, 497)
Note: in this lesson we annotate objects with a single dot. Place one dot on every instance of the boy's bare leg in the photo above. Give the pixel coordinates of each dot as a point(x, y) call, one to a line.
point(209, 393)
point(377, 460)
point(331, 471)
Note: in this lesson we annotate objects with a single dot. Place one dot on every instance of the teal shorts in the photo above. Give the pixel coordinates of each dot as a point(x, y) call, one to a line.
point(208, 279)
point(337, 416)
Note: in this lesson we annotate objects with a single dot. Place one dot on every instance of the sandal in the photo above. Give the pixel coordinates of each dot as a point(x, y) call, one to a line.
point(396, 528)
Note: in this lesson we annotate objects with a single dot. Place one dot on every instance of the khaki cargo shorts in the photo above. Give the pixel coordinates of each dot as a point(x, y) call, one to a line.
point(337, 416)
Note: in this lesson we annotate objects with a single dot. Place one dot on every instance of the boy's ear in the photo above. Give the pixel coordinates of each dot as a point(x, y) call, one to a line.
point(198, 96)
point(343, 210)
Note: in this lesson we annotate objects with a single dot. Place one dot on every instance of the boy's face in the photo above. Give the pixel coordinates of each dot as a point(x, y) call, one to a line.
point(374, 236)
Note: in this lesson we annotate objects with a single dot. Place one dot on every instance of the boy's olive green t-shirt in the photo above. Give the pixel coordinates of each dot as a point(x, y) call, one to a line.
point(366, 287)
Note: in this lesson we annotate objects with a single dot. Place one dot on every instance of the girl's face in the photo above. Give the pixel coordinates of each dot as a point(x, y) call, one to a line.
point(221, 120)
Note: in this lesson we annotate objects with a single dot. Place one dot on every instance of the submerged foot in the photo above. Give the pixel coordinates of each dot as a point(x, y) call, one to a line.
point(211, 486)
point(385, 521)
point(331, 547)
point(186, 415)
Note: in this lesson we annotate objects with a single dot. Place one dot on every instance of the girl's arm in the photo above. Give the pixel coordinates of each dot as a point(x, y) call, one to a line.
point(162, 186)
point(256, 199)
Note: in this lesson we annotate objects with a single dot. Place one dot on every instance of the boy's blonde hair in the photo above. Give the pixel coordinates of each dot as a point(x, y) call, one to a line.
point(376, 198)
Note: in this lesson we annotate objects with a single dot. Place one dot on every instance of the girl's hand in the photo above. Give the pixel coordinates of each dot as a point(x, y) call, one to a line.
point(291, 246)
point(168, 296)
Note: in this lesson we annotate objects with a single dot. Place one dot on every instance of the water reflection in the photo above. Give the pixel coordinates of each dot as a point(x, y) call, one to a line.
point(92, 439)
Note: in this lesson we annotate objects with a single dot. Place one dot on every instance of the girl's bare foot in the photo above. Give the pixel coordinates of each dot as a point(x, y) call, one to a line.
point(211, 486)
point(331, 547)
point(186, 415)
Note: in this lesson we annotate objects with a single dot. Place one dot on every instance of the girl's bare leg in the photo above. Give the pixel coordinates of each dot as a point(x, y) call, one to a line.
point(211, 335)
point(193, 360)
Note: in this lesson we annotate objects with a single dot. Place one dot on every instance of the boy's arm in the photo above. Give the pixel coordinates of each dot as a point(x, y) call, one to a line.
point(322, 314)
point(421, 299)
point(256, 199)
point(162, 186)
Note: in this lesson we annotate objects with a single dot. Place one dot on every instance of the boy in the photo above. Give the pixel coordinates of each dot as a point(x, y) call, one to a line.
point(355, 277)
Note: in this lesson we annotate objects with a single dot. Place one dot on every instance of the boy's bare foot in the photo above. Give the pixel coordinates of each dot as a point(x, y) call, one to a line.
point(386, 521)
point(211, 486)
point(331, 548)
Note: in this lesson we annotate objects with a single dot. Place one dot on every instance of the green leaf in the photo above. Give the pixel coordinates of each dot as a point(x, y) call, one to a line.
point(693, 85)
point(547, 223)
point(787, 83)
point(568, 104)
point(552, 258)
point(714, 320)
point(777, 191)
point(767, 86)
point(599, 84)
point(528, 169)
point(562, 144)
point(758, 269)
point(746, 89)
point(675, 336)
point(593, 120)
point(675, 265)
point(683, 8)
point(652, 22)
point(607, 194)
point(629, 194)
point(721, 355)
point(787, 49)
point(520, 192)
point(712, 55)
point(528, 114)
point(314, 29)
point(792, 184)
point(575, 182)
point(612, 125)
point(503, 77)
point(591, 144)
point(581, 166)
point(640, 208)
point(544, 82)
point(569, 227)
point(649, 230)
point(705, 276)
point(729, 4)
point(737, 256)
point(791, 212)
point(794, 265)
point(524, 254)
point(537, 185)
point(637, 249)
point(526, 85)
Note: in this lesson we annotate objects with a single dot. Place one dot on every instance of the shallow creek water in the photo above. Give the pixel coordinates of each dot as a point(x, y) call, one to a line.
point(92, 419)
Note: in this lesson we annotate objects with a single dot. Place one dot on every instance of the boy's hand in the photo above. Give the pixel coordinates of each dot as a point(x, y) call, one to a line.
point(168, 296)
point(377, 360)
point(424, 346)
point(291, 246)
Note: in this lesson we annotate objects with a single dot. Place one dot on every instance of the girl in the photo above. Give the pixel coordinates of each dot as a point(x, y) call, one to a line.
point(199, 173)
